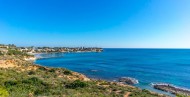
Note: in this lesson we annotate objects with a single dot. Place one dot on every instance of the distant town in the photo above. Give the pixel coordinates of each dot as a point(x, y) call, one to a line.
point(33, 50)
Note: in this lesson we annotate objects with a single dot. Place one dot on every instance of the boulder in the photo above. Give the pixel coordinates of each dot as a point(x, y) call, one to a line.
point(128, 80)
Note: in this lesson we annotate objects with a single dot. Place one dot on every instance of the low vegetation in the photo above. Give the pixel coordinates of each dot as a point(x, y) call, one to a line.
point(16, 52)
point(3, 92)
point(1, 53)
point(76, 84)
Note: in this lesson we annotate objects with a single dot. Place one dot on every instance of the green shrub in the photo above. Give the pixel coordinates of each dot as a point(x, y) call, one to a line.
point(146, 91)
point(17, 52)
point(1, 53)
point(34, 81)
point(31, 73)
point(41, 91)
point(67, 72)
point(14, 52)
point(77, 84)
point(52, 70)
point(10, 83)
point(3, 92)
point(180, 95)
point(42, 68)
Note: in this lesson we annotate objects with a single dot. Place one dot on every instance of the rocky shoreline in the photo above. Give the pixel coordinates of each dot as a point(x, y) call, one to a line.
point(159, 86)
point(171, 88)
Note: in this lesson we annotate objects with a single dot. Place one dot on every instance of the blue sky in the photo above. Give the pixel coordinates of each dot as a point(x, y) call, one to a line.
point(102, 23)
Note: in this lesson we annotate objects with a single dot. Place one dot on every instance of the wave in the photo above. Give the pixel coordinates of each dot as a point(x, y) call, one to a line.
point(48, 55)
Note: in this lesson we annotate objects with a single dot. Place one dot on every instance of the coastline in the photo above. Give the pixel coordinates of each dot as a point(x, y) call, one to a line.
point(121, 83)
point(39, 55)
point(25, 72)
point(13, 63)
point(161, 91)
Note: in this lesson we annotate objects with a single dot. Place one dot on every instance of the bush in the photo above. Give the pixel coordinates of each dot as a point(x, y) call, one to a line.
point(180, 95)
point(14, 52)
point(33, 80)
point(10, 83)
point(67, 72)
point(3, 92)
point(41, 91)
point(77, 84)
point(38, 85)
point(146, 91)
point(52, 70)
point(42, 68)
point(1, 53)
point(17, 52)
point(31, 73)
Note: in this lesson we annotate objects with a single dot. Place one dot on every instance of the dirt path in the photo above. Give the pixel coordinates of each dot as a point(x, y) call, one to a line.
point(127, 94)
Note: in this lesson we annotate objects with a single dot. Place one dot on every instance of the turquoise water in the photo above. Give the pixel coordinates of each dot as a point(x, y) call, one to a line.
point(147, 65)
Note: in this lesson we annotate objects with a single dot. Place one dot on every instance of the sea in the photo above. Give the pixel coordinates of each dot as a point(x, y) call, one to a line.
point(148, 66)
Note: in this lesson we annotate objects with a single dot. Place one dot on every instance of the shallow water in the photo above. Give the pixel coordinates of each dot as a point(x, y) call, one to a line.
point(147, 65)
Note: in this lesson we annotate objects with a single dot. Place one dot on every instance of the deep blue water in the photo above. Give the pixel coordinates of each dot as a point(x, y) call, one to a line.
point(147, 65)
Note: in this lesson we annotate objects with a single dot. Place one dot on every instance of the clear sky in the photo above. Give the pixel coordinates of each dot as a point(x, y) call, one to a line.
point(101, 23)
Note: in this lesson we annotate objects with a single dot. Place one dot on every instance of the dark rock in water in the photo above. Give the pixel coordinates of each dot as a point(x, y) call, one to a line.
point(129, 80)
point(171, 88)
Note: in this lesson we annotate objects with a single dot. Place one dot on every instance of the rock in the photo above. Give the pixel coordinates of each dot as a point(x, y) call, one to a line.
point(129, 80)
point(171, 88)
point(80, 76)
